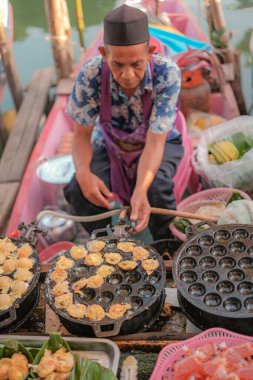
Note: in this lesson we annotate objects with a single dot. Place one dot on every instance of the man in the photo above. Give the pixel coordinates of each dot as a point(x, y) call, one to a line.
point(134, 151)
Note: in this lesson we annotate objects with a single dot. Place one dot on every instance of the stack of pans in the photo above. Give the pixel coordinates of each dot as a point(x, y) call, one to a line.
point(213, 272)
point(144, 293)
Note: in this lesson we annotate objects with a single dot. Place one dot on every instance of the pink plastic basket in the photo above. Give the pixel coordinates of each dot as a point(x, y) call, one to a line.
point(204, 198)
point(174, 352)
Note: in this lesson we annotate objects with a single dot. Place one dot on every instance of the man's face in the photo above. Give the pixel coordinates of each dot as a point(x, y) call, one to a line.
point(127, 63)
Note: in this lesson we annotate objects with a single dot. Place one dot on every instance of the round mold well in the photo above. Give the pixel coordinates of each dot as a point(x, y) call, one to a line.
point(221, 234)
point(188, 277)
point(114, 279)
point(248, 304)
point(237, 247)
point(136, 302)
point(207, 262)
point(245, 288)
point(80, 271)
point(210, 276)
point(124, 290)
point(246, 263)
point(153, 278)
point(227, 262)
point(146, 290)
point(206, 241)
point(187, 263)
point(212, 299)
point(194, 250)
point(218, 250)
point(235, 275)
point(240, 233)
point(197, 289)
point(250, 251)
point(105, 298)
point(225, 287)
point(132, 277)
point(232, 304)
point(87, 295)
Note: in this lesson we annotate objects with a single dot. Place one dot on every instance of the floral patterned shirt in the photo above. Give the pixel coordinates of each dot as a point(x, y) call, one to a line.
point(84, 102)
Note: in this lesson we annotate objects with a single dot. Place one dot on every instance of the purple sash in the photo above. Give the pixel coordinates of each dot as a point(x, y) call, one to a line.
point(123, 148)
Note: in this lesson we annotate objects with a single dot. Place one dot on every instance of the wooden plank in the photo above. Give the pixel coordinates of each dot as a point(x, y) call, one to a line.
point(8, 192)
point(21, 141)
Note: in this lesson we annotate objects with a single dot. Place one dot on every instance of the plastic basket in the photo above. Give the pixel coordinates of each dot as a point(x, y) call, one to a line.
point(204, 198)
point(174, 352)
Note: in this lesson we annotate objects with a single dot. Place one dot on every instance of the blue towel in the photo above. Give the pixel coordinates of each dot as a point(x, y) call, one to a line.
point(177, 43)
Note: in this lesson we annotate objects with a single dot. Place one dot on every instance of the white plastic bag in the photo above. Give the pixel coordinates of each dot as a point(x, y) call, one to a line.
point(237, 174)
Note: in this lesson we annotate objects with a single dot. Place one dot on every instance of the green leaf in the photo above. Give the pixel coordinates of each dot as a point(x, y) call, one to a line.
point(12, 347)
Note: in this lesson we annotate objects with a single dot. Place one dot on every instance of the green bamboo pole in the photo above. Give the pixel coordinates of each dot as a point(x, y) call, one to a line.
point(80, 21)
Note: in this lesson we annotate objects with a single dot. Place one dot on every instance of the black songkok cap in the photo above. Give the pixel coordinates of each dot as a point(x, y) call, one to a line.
point(126, 26)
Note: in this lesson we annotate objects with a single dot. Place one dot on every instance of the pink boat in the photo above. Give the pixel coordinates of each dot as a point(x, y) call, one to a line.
point(33, 195)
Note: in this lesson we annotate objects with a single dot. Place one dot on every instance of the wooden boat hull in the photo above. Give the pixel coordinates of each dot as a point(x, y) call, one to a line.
point(32, 197)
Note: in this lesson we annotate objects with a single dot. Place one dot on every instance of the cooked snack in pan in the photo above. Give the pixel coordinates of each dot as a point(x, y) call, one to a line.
point(95, 281)
point(18, 288)
point(5, 301)
point(95, 312)
point(14, 368)
point(60, 288)
point(140, 253)
point(126, 246)
point(150, 265)
point(5, 284)
point(93, 259)
point(78, 252)
point(23, 275)
point(76, 310)
point(117, 311)
point(96, 245)
point(6, 246)
point(25, 250)
point(77, 286)
point(2, 258)
point(62, 302)
point(9, 266)
point(127, 265)
point(59, 275)
point(24, 263)
point(105, 270)
point(112, 257)
point(64, 263)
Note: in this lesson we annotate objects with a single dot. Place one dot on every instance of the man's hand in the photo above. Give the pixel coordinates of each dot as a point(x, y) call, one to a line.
point(140, 210)
point(95, 190)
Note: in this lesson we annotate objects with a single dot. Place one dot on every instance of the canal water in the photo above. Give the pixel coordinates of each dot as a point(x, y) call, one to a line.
point(32, 49)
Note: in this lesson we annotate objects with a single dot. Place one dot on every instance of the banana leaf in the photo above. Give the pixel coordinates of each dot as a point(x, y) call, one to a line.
point(13, 346)
point(94, 371)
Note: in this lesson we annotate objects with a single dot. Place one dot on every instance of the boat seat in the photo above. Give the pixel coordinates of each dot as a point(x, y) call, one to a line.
point(185, 177)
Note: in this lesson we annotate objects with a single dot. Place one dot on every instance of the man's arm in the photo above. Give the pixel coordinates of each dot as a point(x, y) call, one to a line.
point(148, 166)
point(93, 188)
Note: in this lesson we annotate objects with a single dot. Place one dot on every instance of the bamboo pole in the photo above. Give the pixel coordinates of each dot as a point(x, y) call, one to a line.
point(220, 38)
point(60, 34)
point(80, 21)
point(10, 67)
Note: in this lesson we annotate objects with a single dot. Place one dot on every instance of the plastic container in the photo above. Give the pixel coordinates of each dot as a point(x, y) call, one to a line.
point(204, 198)
point(173, 352)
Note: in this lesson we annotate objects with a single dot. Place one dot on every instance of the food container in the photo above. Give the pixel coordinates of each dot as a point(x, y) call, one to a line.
point(55, 172)
point(145, 293)
point(213, 273)
point(103, 351)
point(174, 352)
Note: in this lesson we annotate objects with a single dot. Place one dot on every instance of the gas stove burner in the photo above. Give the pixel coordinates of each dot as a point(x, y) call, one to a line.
point(214, 277)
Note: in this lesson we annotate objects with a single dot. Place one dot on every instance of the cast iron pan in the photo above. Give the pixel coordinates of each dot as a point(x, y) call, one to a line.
point(213, 272)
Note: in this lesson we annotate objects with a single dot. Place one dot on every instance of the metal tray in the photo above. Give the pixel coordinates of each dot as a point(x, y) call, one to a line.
point(103, 351)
